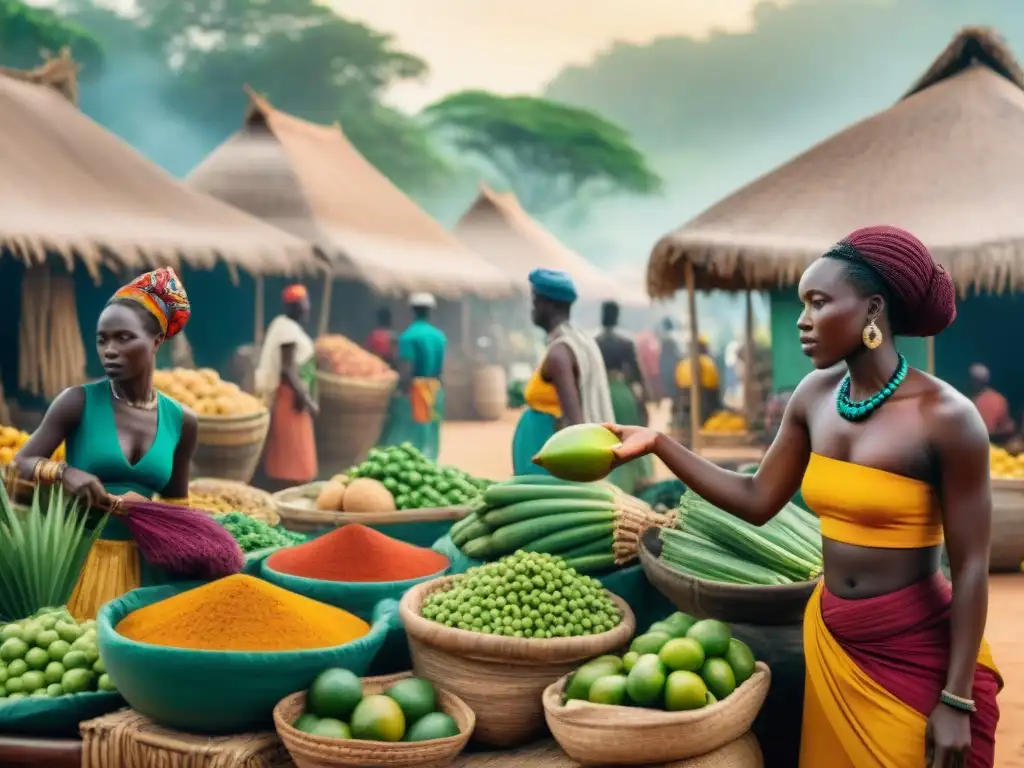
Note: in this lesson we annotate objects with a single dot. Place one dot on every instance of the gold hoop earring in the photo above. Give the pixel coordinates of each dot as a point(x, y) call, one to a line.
point(872, 336)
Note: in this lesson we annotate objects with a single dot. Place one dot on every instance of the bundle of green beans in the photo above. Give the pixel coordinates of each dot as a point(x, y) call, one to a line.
point(539, 513)
point(713, 545)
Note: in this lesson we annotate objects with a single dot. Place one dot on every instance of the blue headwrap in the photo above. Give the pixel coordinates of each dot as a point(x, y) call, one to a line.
point(553, 284)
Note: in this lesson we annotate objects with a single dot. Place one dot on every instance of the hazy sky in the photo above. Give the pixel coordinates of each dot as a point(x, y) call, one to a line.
point(519, 45)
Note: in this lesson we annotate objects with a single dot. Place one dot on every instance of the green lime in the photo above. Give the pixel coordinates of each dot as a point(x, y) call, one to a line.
point(649, 643)
point(38, 693)
point(9, 631)
point(330, 728)
point(682, 653)
point(68, 632)
point(48, 622)
point(680, 623)
point(580, 682)
point(30, 631)
point(378, 718)
point(77, 680)
point(33, 681)
point(334, 694)
point(14, 648)
point(54, 689)
point(3, 676)
point(306, 722)
point(713, 636)
point(14, 685)
point(76, 660)
point(17, 668)
point(47, 637)
point(629, 660)
point(99, 667)
point(105, 683)
point(54, 672)
point(18, 696)
point(719, 677)
point(610, 689)
point(58, 650)
point(645, 683)
point(415, 696)
point(741, 659)
point(711, 699)
point(684, 690)
point(434, 725)
point(37, 658)
point(664, 628)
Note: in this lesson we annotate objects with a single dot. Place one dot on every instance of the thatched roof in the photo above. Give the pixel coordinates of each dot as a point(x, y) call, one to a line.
point(59, 72)
point(945, 162)
point(309, 180)
point(497, 227)
point(70, 187)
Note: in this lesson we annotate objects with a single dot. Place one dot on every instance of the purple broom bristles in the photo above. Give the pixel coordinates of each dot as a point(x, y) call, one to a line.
point(184, 542)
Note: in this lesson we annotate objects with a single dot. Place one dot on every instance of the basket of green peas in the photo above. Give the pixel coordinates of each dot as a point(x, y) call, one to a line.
point(499, 634)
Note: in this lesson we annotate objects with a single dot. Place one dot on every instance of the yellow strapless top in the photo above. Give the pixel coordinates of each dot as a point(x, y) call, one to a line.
point(542, 396)
point(870, 507)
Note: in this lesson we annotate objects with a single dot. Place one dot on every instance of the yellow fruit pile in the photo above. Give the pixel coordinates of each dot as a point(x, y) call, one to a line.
point(12, 440)
point(341, 356)
point(206, 393)
point(726, 423)
point(1004, 465)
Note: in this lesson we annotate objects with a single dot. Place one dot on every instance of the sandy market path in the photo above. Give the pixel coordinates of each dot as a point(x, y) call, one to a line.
point(484, 448)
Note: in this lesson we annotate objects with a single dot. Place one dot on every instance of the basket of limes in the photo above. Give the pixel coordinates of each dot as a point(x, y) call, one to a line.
point(498, 634)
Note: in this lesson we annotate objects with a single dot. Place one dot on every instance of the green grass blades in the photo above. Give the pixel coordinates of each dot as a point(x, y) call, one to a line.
point(42, 551)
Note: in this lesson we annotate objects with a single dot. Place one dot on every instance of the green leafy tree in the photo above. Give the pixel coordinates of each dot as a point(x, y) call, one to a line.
point(547, 152)
point(26, 32)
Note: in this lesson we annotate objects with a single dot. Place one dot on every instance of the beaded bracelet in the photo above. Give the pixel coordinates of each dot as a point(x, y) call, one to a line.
point(957, 702)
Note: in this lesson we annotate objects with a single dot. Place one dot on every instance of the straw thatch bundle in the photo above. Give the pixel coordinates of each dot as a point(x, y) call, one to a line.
point(310, 181)
point(945, 162)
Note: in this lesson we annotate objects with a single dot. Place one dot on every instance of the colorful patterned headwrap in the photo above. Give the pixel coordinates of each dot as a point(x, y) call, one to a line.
point(293, 294)
point(161, 293)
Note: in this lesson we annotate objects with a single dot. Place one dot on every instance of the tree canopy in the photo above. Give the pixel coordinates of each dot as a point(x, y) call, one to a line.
point(547, 152)
point(26, 32)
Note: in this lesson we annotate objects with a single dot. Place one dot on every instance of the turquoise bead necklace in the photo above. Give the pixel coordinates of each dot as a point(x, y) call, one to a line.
point(860, 410)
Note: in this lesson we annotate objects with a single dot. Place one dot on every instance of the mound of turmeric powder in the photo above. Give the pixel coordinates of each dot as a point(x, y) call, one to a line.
point(241, 613)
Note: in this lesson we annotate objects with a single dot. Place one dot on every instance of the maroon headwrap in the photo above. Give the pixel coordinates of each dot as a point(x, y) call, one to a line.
point(923, 289)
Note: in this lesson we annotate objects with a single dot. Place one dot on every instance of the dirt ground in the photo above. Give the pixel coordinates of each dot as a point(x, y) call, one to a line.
point(484, 448)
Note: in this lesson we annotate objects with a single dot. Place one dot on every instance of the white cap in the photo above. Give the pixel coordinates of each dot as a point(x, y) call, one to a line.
point(422, 300)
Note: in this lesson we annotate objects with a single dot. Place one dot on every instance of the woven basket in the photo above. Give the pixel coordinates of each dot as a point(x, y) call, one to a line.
point(352, 413)
point(230, 447)
point(501, 678)
point(490, 392)
point(297, 509)
point(595, 734)
point(1007, 551)
point(732, 603)
point(253, 502)
point(319, 752)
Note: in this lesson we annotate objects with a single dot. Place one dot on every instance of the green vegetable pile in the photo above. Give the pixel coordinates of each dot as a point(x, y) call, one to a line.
point(415, 481)
point(253, 535)
point(527, 594)
point(50, 654)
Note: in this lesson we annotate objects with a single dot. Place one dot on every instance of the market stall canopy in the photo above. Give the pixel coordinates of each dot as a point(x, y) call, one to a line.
point(309, 180)
point(497, 227)
point(70, 187)
point(946, 162)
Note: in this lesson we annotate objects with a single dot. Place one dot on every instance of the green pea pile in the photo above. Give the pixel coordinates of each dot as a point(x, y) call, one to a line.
point(526, 594)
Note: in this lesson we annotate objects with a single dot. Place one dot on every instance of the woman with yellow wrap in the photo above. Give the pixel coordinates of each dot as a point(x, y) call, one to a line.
point(893, 461)
point(123, 438)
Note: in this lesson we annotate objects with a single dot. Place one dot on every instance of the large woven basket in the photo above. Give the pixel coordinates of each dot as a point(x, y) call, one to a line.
point(596, 734)
point(490, 392)
point(501, 678)
point(297, 509)
point(1007, 551)
point(230, 447)
point(310, 751)
point(733, 603)
point(253, 502)
point(352, 413)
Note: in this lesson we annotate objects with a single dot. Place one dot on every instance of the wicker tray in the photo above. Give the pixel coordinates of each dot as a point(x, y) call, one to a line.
point(297, 509)
point(126, 739)
point(1007, 551)
point(732, 603)
point(230, 447)
point(260, 504)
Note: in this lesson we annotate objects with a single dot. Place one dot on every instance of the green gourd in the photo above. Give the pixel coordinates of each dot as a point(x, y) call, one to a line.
point(582, 453)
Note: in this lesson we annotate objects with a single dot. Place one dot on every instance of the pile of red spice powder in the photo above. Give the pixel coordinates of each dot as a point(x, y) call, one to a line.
point(357, 553)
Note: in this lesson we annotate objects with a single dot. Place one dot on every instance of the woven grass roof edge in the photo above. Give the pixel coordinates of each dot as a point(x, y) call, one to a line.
point(59, 72)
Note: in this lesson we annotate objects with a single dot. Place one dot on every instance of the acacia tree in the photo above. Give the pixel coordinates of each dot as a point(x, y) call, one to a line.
point(547, 152)
point(26, 32)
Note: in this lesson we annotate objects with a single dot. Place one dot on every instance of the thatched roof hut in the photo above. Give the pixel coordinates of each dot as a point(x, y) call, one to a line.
point(497, 227)
point(309, 180)
point(946, 162)
point(70, 187)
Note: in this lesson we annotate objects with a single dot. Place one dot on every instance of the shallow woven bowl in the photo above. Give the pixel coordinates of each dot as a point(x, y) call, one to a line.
point(597, 734)
point(309, 751)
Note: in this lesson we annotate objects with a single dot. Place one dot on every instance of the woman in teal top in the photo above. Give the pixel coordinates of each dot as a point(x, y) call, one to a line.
point(418, 406)
point(122, 437)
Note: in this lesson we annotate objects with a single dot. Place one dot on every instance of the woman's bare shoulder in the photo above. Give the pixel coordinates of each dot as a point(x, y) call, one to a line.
point(950, 415)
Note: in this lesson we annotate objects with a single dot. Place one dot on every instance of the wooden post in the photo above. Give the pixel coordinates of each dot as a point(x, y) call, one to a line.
point(325, 306)
point(748, 363)
point(930, 346)
point(695, 415)
point(257, 336)
point(464, 319)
